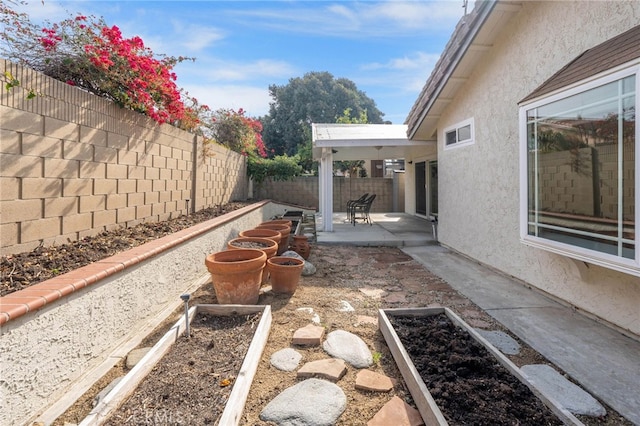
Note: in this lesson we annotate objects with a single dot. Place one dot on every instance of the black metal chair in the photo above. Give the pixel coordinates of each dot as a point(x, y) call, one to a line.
point(362, 208)
point(350, 203)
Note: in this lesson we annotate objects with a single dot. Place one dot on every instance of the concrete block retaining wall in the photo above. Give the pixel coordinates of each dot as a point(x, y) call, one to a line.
point(73, 164)
point(304, 191)
point(59, 336)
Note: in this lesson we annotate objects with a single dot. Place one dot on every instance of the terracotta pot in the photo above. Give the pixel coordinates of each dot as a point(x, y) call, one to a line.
point(284, 273)
point(236, 275)
point(268, 246)
point(284, 230)
point(278, 222)
point(262, 233)
point(300, 245)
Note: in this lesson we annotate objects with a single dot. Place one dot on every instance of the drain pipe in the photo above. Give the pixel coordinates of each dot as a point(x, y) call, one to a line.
point(434, 226)
point(185, 298)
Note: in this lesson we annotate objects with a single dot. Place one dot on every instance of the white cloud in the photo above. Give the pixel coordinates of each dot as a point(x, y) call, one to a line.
point(359, 19)
point(413, 15)
point(254, 100)
point(419, 61)
point(196, 37)
point(39, 12)
point(218, 70)
point(406, 74)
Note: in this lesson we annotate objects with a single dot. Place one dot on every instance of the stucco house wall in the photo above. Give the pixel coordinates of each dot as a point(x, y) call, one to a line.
point(479, 183)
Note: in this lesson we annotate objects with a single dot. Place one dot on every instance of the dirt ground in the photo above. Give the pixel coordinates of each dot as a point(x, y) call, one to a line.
point(367, 278)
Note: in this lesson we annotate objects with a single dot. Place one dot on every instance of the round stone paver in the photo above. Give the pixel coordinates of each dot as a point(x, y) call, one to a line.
point(349, 347)
point(286, 359)
point(312, 402)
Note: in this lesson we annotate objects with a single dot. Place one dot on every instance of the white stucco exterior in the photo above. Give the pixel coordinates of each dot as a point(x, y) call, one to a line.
point(479, 183)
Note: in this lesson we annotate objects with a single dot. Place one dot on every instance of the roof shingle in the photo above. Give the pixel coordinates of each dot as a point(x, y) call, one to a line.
point(610, 54)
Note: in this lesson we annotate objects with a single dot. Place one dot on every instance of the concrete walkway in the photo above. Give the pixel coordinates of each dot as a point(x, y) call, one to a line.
point(605, 362)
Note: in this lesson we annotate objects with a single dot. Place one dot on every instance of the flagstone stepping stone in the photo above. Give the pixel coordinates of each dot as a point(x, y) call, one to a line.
point(370, 381)
point(309, 335)
point(565, 392)
point(505, 343)
point(349, 347)
point(312, 402)
point(398, 413)
point(374, 293)
point(286, 359)
point(396, 298)
point(331, 369)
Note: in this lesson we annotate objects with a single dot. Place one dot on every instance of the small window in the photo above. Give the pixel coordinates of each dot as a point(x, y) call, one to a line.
point(460, 134)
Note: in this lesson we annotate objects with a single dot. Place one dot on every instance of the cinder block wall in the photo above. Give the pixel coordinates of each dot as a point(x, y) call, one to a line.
point(564, 174)
point(73, 164)
point(303, 191)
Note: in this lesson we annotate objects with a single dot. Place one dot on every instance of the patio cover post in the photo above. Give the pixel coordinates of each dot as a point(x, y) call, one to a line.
point(326, 189)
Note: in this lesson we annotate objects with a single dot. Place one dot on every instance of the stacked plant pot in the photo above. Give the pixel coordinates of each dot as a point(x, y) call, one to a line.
point(237, 275)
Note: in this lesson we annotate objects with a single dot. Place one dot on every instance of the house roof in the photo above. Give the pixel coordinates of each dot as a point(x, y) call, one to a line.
point(474, 35)
point(605, 56)
point(361, 141)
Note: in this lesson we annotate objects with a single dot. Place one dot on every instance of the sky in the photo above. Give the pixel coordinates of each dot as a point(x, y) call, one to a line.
point(387, 48)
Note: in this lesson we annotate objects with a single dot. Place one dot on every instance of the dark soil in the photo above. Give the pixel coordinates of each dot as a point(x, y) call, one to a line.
point(192, 382)
point(464, 378)
point(19, 271)
point(250, 244)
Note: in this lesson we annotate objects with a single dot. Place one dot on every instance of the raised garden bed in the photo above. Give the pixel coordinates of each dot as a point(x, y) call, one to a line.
point(455, 376)
point(196, 379)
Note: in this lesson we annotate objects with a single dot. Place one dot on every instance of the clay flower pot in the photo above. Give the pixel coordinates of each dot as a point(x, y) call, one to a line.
point(262, 233)
point(278, 222)
point(270, 247)
point(237, 275)
point(300, 245)
point(284, 273)
point(284, 230)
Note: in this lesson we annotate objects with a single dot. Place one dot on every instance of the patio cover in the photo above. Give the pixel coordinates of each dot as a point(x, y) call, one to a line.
point(351, 142)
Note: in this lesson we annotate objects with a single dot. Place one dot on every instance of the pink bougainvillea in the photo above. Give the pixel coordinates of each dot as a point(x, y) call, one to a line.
point(84, 51)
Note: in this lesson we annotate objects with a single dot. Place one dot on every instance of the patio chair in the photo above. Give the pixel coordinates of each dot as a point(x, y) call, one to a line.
point(351, 202)
point(362, 209)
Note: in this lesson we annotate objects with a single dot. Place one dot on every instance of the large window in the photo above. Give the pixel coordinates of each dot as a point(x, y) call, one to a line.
point(578, 183)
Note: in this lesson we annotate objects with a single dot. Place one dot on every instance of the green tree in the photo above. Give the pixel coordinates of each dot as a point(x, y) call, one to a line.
point(235, 131)
point(317, 97)
point(354, 167)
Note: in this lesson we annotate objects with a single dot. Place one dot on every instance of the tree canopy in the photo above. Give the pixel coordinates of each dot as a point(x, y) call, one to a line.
point(317, 97)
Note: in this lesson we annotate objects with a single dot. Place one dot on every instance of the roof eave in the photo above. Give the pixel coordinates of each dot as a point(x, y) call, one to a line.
point(456, 49)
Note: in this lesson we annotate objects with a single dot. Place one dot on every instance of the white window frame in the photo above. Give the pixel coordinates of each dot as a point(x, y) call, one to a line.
point(459, 143)
point(618, 263)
